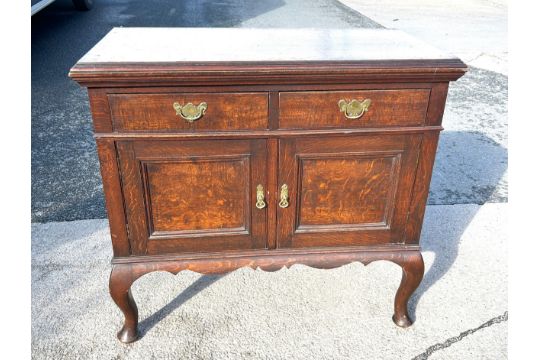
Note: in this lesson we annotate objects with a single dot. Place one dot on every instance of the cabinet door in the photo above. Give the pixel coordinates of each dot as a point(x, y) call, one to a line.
point(346, 191)
point(193, 196)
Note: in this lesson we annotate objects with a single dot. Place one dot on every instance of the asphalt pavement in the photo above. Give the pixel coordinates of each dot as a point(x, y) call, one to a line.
point(66, 185)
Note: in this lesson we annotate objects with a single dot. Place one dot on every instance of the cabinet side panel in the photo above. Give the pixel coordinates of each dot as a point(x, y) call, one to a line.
point(113, 196)
point(437, 99)
point(420, 193)
point(99, 106)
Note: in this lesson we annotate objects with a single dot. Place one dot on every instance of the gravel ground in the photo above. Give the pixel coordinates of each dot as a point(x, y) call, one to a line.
point(299, 313)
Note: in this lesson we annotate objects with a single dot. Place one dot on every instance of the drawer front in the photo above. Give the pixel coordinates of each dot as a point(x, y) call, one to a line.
point(338, 109)
point(193, 196)
point(346, 191)
point(189, 112)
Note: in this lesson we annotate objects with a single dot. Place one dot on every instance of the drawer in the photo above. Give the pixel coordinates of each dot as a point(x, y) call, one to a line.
point(189, 112)
point(353, 109)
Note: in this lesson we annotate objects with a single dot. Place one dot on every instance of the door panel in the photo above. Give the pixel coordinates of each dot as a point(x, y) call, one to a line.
point(326, 180)
point(346, 191)
point(193, 196)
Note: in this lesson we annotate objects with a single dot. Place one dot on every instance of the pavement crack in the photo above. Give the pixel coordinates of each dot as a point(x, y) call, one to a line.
point(449, 342)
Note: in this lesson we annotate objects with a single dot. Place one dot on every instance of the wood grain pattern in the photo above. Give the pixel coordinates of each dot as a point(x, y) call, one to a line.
point(199, 194)
point(155, 112)
point(273, 111)
point(270, 134)
point(417, 206)
point(271, 191)
point(168, 205)
point(319, 109)
point(101, 112)
point(293, 229)
point(152, 88)
point(134, 204)
point(114, 200)
point(437, 101)
point(346, 189)
point(120, 281)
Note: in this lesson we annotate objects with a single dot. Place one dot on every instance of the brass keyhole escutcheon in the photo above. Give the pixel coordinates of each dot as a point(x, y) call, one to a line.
point(190, 112)
point(284, 196)
point(354, 109)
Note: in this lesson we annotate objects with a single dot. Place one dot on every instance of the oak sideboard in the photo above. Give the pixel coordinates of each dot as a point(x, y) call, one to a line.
point(226, 148)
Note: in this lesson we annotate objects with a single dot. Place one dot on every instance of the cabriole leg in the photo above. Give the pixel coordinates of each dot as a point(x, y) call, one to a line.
point(412, 264)
point(120, 289)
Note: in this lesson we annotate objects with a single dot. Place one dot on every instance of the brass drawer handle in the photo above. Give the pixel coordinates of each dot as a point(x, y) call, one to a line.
point(354, 109)
point(189, 111)
point(260, 204)
point(284, 196)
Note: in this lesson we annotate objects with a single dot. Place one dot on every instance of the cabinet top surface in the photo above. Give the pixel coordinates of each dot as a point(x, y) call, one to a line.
point(225, 45)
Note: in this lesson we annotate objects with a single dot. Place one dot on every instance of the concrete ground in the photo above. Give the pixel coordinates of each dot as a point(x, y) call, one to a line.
point(300, 313)
point(474, 30)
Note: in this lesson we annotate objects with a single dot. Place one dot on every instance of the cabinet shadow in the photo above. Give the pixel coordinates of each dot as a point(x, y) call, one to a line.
point(479, 164)
point(199, 285)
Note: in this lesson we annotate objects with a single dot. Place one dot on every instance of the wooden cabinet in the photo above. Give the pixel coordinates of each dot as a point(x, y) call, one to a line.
point(268, 149)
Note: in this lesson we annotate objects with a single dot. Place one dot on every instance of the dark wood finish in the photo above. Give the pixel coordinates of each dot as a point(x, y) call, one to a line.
point(114, 200)
point(193, 196)
point(125, 273)
point(182, 196)
point(346, 190)
point(270, 134)
point(138, 75)
point(273, 115)
point(120, 281)
point(155, 112)
point(319, 109)
point(421, 188)
point(101, 112)
point(271, 191)
point(271, 88)
point(436, 106)
point(412, 265)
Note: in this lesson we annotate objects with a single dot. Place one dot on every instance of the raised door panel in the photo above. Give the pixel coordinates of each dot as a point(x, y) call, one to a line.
point(193, 196)
point(346, 191)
